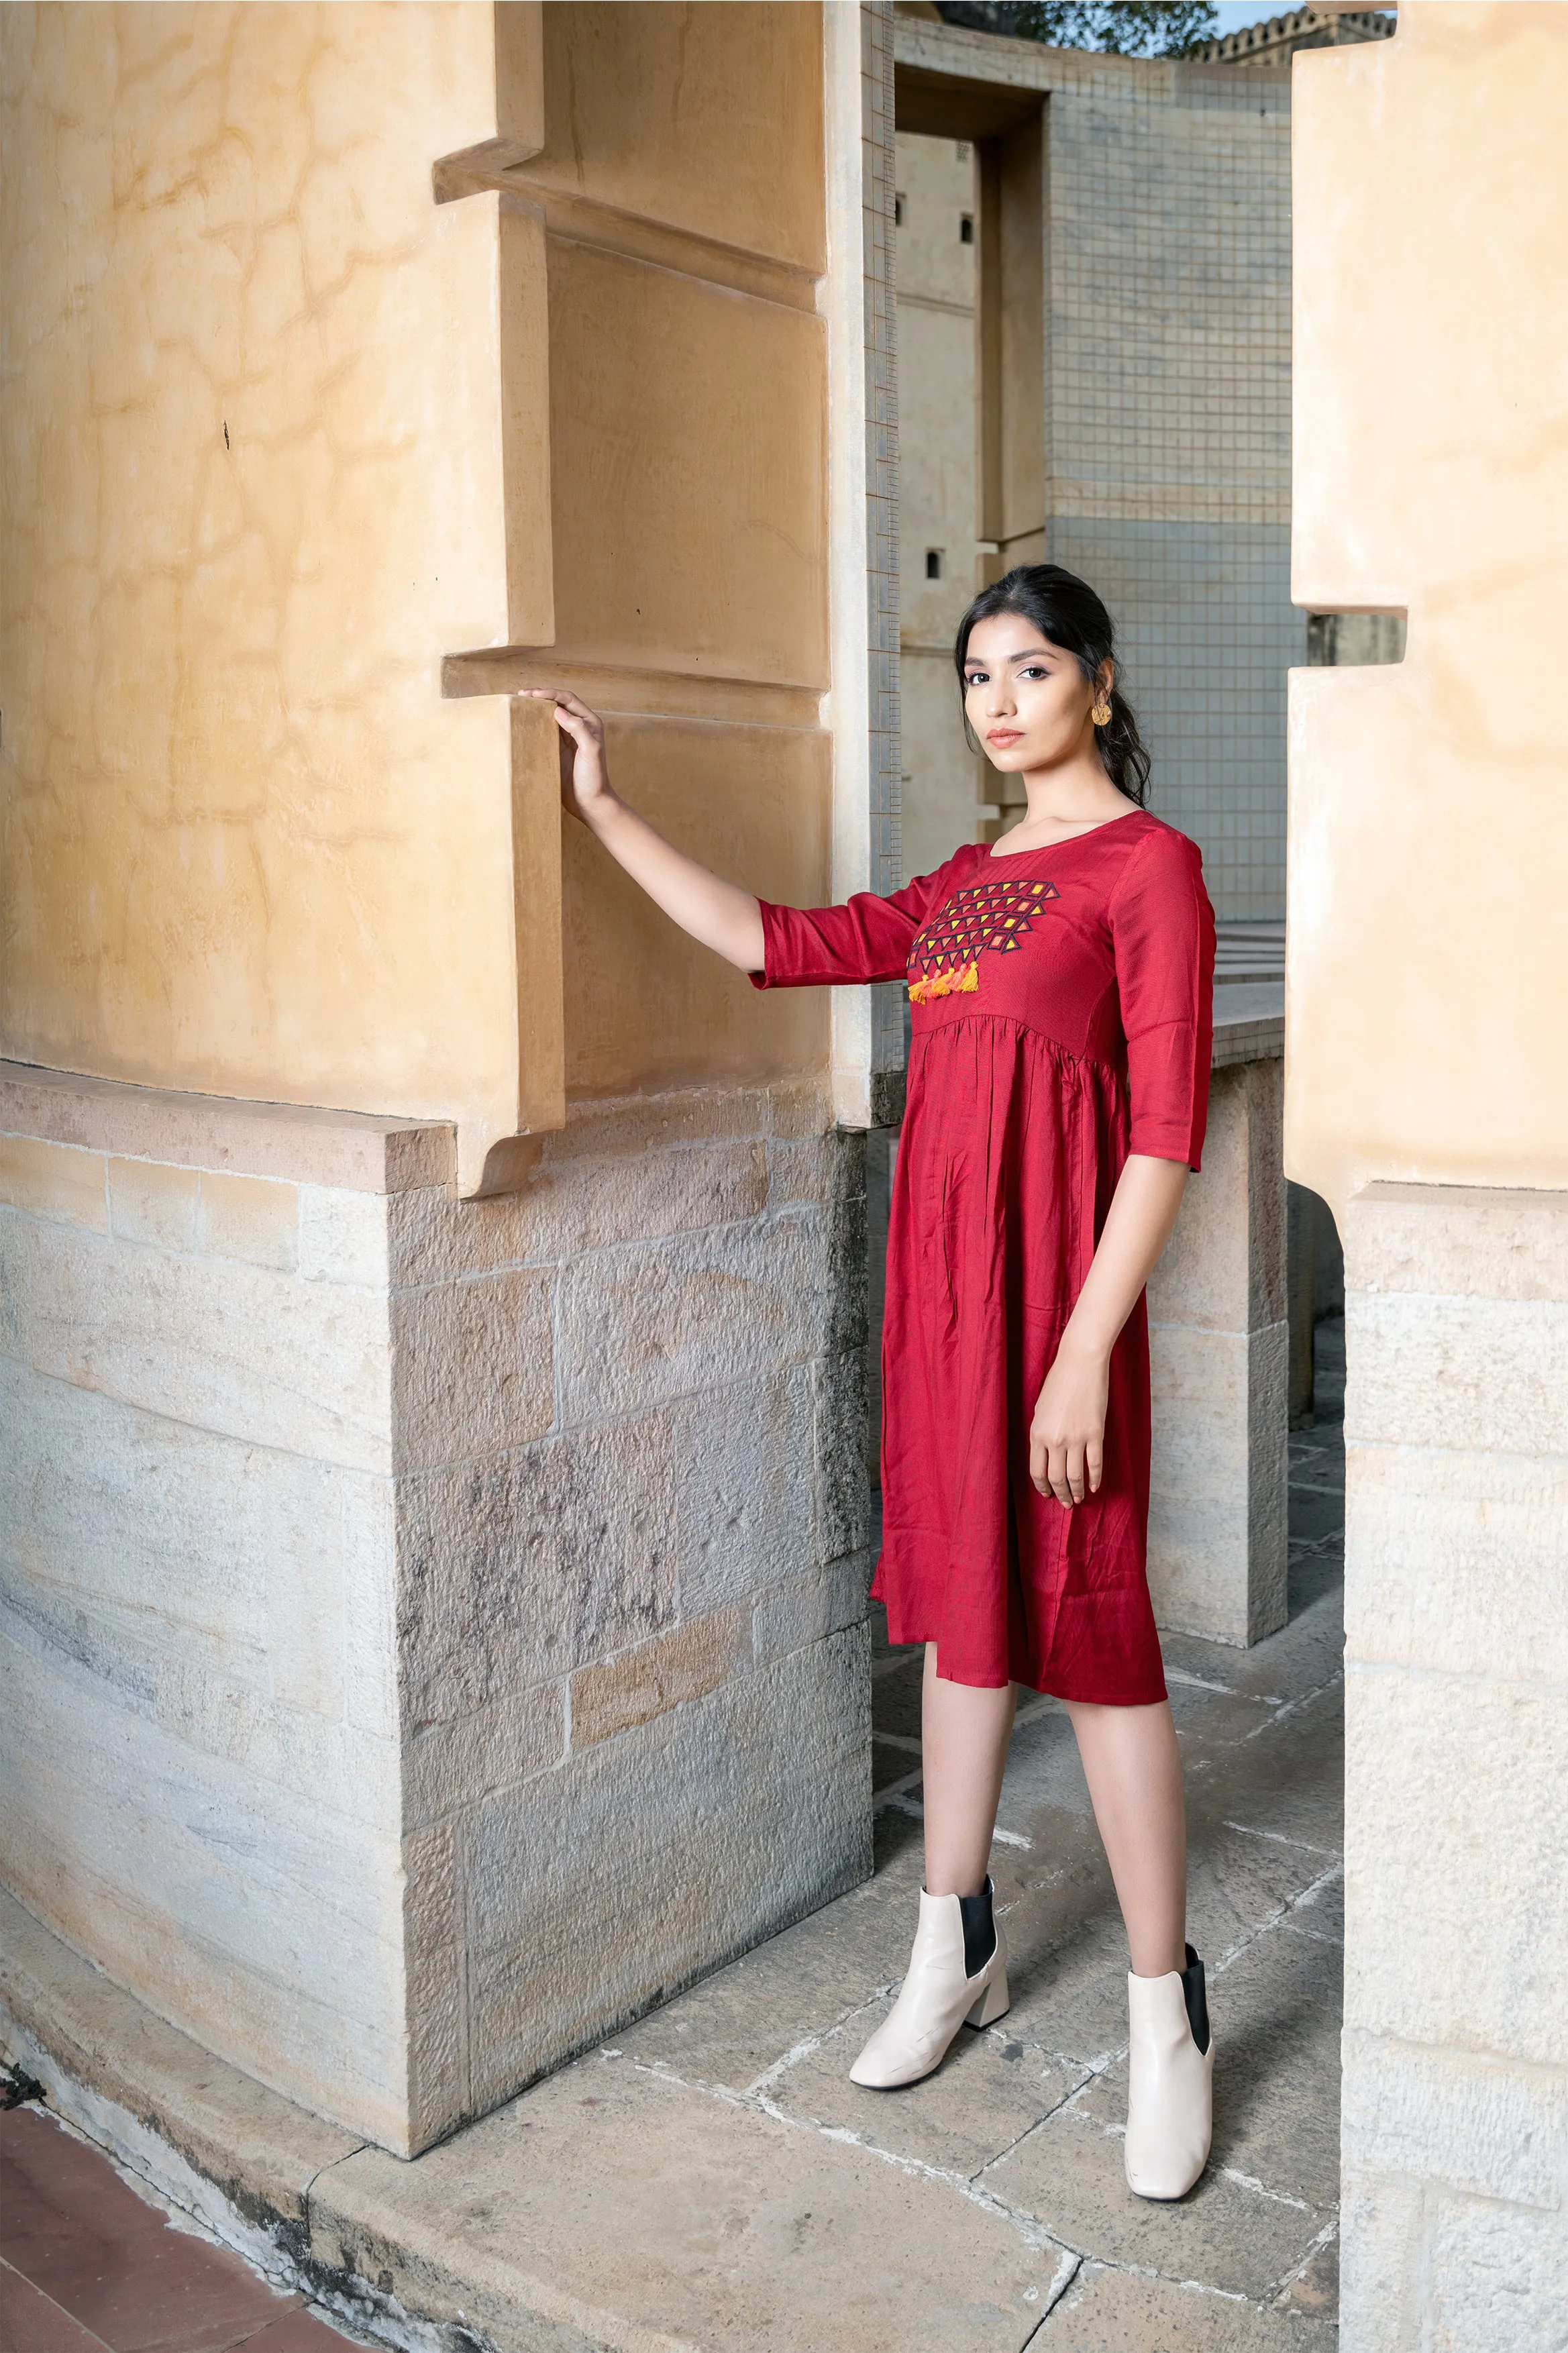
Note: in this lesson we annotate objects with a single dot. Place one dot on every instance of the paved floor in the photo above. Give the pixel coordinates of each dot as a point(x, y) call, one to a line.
point(712, 2179)
point(87, 2264)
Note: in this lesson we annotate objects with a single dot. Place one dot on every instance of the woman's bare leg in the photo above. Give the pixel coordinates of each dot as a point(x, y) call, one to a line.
point(964, 1735)
point(1134, 1773)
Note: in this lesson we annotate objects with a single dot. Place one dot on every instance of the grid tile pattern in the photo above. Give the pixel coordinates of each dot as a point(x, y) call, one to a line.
point(1207, 632)
point(1167, 417)
point(1168, 425)
point(1168, 352)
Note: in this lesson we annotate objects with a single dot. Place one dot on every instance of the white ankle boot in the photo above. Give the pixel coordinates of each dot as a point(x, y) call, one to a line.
point(937, 1998)
point(1170, 2087)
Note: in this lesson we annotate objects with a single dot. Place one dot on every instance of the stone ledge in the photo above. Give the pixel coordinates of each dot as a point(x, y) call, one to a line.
point(353, 1151)
point(1492, 1243)
point(560, 2224)
point(1249, 1022)
point(93, 2045)
point(1489, 2126)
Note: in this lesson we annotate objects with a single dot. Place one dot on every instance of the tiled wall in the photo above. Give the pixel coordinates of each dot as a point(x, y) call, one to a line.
point(1167, 416)
point(1207, 634)
point(1168, 430)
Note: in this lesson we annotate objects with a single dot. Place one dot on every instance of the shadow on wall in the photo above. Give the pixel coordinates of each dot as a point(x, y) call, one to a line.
point(1341, 640)
point(1315, 1280)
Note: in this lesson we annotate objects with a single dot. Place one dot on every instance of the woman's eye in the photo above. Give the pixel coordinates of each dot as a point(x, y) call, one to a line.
point(1036, 670)
point(976, 678)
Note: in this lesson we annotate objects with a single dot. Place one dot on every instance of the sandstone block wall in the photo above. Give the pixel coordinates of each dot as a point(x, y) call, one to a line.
point(432, 1630)
point(1455, 2048)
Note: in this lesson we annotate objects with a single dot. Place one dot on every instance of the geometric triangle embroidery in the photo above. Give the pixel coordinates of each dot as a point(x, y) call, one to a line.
point(989, 917)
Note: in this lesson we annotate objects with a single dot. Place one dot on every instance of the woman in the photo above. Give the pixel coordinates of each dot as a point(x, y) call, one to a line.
point(1061, 986)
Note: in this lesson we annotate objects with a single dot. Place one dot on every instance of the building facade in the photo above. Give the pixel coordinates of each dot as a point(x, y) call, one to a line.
point(1426, 1086)
point(1119, 405)
point(1275, 40)
point(433, 1327)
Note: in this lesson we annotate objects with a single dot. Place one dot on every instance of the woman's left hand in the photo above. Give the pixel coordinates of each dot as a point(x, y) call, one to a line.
point(1067, 1437)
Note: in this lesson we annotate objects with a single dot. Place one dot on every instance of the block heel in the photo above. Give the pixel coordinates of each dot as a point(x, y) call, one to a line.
point(994, 2003)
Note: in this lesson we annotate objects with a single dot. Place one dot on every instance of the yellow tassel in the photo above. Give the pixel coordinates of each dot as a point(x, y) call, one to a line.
point(961, 982)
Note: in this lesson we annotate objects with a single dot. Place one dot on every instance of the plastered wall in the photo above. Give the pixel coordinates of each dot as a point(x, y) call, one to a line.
point(363, 363)
point(1430, 825)
point(1425, 1100)
point(678, 195)
point(252, 476)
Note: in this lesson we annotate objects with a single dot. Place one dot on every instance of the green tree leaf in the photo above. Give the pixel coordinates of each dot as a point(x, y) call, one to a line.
point(1128, 28)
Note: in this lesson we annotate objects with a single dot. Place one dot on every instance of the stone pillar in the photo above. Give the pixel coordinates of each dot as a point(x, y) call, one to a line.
point(430, 1631)
point(1219, 1357)
point(1455, 2045)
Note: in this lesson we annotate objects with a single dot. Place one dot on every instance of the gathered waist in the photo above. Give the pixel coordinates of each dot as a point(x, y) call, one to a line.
point(978, 1021)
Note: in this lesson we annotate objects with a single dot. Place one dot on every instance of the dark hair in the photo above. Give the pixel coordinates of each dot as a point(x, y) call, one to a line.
point(1066, 609)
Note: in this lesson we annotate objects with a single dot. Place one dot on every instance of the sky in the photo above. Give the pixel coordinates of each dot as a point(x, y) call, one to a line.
point(1233, 14)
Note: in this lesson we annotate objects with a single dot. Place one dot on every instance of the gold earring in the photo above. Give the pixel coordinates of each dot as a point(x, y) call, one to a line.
point(1100, 714)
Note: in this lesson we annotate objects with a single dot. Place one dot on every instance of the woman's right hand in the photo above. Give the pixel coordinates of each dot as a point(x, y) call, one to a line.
point(585, 774)
point(720, 914)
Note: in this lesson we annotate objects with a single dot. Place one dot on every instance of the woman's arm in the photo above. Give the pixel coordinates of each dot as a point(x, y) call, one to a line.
point(720, 914)
point(1067, 1437)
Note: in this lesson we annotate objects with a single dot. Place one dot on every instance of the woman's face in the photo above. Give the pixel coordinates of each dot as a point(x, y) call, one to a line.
point(1027, 702)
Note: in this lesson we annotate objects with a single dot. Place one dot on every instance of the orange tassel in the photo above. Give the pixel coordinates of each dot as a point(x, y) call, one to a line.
point(961, 982)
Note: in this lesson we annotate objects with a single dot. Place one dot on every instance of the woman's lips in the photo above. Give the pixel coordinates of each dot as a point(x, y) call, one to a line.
point(1003, 736)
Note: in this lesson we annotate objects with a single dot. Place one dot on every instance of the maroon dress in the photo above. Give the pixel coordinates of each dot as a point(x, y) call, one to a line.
point(1062, 1010)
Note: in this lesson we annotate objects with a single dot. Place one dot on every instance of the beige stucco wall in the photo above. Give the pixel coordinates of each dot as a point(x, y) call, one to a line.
point(680, 188)
point(1428, 823)
point(1425, 1098)
point(330, 376)
point(370, 1556)
point(252, 480)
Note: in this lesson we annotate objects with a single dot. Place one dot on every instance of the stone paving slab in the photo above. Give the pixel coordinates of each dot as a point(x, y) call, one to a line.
point(993, 2089)
point(642, 2212)
point(1107, 2312)
point(738, 2026)
point(713, 2180)
point(1316, 1510)
point(1067, 2177)
point(128, 2079)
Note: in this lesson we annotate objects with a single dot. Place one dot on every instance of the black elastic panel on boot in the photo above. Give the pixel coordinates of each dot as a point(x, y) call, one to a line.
point(1195, 1995)
point(979, 1930)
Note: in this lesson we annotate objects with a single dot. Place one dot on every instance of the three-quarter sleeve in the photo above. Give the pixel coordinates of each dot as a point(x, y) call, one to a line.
point(1162, 931)
point(867, 938)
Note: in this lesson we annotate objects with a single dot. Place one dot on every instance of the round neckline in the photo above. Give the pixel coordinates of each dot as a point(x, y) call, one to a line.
point(1069, 842)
